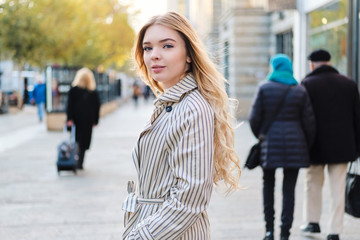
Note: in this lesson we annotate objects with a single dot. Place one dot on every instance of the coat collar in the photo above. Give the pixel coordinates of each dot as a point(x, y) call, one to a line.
point(176, 92)
point(323, 69)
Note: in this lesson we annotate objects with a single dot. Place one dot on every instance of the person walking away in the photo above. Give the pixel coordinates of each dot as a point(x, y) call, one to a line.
point(188, 144)
point(287, 141)
point(83, 108)
point(38, 97)
point(26, 93)
point(136, 93)
point(335, 99)
point(147, 91)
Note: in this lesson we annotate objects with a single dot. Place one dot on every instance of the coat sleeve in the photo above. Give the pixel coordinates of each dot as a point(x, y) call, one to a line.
point(96, 107)
point(190, 146)
point(356, 112)
point(70, 106)
point(256, 114)
point(308, 120)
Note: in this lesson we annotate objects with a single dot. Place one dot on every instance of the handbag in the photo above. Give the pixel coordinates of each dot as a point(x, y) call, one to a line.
point(352, 191)
point(254, 157)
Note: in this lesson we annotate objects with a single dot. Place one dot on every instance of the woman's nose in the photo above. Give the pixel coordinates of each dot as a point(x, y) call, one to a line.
point(155, 54)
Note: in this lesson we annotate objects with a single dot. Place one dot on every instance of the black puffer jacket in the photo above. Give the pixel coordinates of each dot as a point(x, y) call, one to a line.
point(292, 132)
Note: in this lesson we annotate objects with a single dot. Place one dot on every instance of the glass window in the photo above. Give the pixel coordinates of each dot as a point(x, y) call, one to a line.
point(284, 43)
point(328, 28)
point(58, 84)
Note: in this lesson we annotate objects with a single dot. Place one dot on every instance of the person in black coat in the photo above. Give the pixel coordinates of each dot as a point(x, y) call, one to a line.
point(287, 141)
point(83, 109)
point(335, 99)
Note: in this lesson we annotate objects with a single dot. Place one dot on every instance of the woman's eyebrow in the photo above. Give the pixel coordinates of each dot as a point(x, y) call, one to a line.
point(163, 40)
point(167, 39)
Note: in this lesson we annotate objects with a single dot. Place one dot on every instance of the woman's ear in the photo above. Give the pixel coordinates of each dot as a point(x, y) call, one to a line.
point(188, 59)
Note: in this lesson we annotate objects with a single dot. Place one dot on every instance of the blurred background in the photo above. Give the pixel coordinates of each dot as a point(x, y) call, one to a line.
point(50, 40)
point(55, 38)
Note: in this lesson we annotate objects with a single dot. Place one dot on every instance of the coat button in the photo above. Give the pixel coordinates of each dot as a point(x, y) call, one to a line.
point(168, 108)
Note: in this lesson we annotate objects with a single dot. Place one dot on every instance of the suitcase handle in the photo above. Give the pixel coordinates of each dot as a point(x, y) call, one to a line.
point(72, 134)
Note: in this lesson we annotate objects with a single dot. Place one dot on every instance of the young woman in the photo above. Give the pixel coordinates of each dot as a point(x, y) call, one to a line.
point(287, 141)
point(188, 143)
point(83, 109)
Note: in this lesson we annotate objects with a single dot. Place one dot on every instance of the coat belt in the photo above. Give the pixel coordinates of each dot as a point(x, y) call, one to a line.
point(131, 201)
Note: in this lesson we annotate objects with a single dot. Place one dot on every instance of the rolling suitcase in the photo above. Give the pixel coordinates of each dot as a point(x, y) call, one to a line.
point(68, 152)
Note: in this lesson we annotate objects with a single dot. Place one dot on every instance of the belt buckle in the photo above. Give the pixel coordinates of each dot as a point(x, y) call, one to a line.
point(131, 187)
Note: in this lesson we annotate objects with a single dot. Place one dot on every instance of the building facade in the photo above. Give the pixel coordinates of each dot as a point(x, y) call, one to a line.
point(237, 39)
point(244, 34)
point(329, 24)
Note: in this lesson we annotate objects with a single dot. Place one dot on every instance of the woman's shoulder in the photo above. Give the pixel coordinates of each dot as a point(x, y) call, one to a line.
point(300, 89)
point(193, 107)
point(271, 85)
point(76, 89)
point(266, 86)
point(194, 101)
point(93, 92)
point(73, 90)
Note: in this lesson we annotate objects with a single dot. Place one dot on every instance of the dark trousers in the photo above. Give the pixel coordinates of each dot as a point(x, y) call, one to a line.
point(81, 157)
point(288, 200)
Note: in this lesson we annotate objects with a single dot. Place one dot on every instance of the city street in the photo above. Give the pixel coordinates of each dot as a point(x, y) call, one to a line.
point(38, 204)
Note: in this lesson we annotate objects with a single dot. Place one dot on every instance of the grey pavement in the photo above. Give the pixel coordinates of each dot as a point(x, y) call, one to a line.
point(37, 204)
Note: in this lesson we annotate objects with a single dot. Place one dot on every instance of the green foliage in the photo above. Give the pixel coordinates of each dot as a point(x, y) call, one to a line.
point(19, 32)
point(89, 33)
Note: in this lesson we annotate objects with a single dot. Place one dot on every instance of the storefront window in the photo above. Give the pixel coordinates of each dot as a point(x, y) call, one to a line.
point(328, 28)
point(58, 84)
point(284, 43)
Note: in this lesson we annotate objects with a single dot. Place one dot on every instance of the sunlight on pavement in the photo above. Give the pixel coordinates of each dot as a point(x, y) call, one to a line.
point(17, 137)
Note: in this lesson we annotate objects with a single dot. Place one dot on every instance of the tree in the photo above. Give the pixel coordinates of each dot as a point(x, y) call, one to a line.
point(20, 33)
point(67, 32)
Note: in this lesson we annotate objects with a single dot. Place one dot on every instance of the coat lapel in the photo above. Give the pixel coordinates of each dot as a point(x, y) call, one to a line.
point(170, 97)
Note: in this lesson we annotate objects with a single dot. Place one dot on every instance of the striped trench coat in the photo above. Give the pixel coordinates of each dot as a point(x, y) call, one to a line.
point(174, 162)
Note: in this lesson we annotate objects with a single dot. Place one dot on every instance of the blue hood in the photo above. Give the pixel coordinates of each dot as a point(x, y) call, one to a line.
point(282, 70)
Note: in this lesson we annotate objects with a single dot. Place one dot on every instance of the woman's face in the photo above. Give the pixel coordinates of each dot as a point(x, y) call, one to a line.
point(165, 55)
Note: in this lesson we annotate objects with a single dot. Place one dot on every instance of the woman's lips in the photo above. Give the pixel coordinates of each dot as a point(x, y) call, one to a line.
point(157, 69)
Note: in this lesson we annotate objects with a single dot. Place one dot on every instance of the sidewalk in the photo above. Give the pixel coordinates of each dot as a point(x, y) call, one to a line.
point(37, 204)
point(20, 127)
point(23, 118)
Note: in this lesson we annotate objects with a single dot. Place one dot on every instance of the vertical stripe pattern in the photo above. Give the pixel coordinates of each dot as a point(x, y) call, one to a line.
point(174, 162)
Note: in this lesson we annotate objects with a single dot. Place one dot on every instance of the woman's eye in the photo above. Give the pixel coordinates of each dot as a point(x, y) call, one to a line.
point(168, 46)
point(147, 48)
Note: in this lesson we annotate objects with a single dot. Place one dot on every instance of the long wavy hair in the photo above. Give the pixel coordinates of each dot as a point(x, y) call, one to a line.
point(211, 85)
point(84, 78)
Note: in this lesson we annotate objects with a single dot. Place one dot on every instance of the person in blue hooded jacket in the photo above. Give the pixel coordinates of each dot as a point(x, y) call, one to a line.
point(39, 98)
point(287, 141)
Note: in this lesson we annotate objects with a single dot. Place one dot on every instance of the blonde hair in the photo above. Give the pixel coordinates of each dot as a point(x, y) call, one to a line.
point(84, 78)
point(211, 85)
